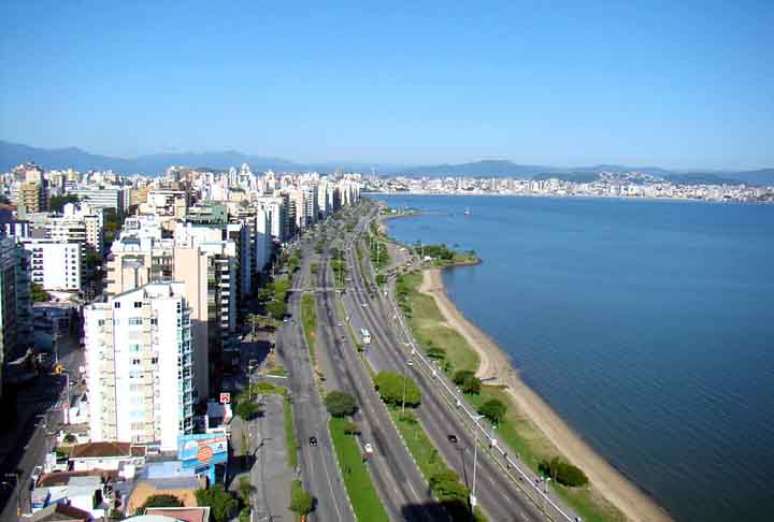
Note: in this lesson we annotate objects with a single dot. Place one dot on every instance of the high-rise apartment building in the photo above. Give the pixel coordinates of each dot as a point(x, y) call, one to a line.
point(139, 359)
point(55, 265)
point(15, 316)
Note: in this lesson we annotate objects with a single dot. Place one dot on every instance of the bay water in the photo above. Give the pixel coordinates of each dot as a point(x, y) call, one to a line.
point(647, 325)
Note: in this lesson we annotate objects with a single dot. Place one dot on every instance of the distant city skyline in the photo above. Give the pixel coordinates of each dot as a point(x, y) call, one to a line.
point(689, 86)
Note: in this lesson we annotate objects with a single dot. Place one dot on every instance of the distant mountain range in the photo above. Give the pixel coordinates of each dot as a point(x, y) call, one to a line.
point(504, 168)
point(12, 154)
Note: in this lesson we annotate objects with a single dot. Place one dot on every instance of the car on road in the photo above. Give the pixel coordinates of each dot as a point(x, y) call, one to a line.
point(313, 441)
point(368, 451)
point(452, 438)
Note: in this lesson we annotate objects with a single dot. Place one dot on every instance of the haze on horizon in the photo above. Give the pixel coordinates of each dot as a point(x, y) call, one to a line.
point(688, 85)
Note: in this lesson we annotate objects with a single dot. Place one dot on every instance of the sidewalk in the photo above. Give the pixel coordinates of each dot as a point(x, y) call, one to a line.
point(270, 474)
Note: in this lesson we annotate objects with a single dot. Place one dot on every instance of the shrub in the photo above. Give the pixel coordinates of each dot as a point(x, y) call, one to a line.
point(436, 353)
point(493, 409)
point(162, 500)
point(351, 428)
point(446, 485)
point(301, 502)
point(394, 387)
point(340, 404)
point(563, 472)
point(222, 504)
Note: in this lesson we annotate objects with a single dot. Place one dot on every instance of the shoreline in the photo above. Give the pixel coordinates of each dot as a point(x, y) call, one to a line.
point(496, 368)
point(569, 196)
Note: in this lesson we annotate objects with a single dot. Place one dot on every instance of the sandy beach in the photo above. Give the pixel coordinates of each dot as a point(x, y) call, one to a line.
point(496, 368)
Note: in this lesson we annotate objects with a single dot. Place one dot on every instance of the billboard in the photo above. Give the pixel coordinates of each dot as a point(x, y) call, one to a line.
point(202, 449)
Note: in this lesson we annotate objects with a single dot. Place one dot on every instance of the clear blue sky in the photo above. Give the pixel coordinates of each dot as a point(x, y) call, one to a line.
point(677, 84)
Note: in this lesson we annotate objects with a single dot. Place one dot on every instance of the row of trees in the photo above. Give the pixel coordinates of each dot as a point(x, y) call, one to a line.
point(273, 296)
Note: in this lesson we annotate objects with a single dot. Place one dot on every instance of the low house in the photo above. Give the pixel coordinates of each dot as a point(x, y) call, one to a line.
point(182, 514)
point(109, 456)
point(61, 513)
point(79, 490)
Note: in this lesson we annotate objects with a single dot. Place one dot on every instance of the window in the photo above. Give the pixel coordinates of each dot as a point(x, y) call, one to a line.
point(138, 304)
point(154, 360)
point(135, 321)
point(117, 304)
point(136, 362)
point(134, 348)
point(154, 321)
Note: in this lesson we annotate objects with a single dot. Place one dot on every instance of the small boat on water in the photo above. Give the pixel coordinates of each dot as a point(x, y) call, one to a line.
point(467, 211)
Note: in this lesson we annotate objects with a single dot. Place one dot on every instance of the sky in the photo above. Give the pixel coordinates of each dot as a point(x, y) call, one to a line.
point(675, 84)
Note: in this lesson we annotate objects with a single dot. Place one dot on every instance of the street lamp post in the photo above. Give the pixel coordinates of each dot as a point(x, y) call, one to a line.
point(473, 500)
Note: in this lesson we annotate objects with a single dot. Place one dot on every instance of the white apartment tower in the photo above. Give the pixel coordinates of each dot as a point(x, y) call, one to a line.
point(55, 265)
point(139, 366)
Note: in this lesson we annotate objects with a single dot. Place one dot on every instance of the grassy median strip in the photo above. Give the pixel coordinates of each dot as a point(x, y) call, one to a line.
point(516, 430)
point(365, 502)
point(290, 433)
point(309, 322)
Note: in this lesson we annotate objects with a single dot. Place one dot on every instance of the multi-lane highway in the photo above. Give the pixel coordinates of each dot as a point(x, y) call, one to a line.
point(396, 477)
point(500, 496)
point(320, 472)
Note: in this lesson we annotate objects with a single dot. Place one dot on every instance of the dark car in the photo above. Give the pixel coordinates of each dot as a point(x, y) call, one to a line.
point(313, 441)
point(452, 438)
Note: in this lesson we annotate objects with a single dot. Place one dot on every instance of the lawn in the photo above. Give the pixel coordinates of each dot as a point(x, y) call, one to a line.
point(357, 479)
point(430, 329)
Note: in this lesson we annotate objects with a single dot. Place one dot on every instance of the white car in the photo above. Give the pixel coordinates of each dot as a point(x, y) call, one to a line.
point(368, 448)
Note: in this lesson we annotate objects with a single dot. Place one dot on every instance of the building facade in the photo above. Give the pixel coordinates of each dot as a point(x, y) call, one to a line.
point(140, 366)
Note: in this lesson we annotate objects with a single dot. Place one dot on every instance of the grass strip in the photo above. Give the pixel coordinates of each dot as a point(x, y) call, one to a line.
point(429, 460)
point(309, 322)
point(290, 433)
point(357, 479)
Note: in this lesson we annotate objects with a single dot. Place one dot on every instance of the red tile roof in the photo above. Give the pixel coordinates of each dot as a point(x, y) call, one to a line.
point(101, 449)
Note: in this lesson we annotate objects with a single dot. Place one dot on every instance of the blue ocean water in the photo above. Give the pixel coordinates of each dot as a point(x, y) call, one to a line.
point(647, 325)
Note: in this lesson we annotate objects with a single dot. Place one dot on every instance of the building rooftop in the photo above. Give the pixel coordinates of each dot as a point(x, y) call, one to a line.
point(56, 512)
point(106, 449)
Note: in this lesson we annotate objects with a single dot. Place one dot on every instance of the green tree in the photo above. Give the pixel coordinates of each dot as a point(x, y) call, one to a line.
point(277, 309)
point(395, 388)
point(494, 410)
point(222, 504)
point(57, 203)
point(340, 404)
point(244, 515)
point(246, 408)
point(467, 381)
point(37, 293)
point(563, 472)
point(301, 502)
point(162, 500)
point(446, 485)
